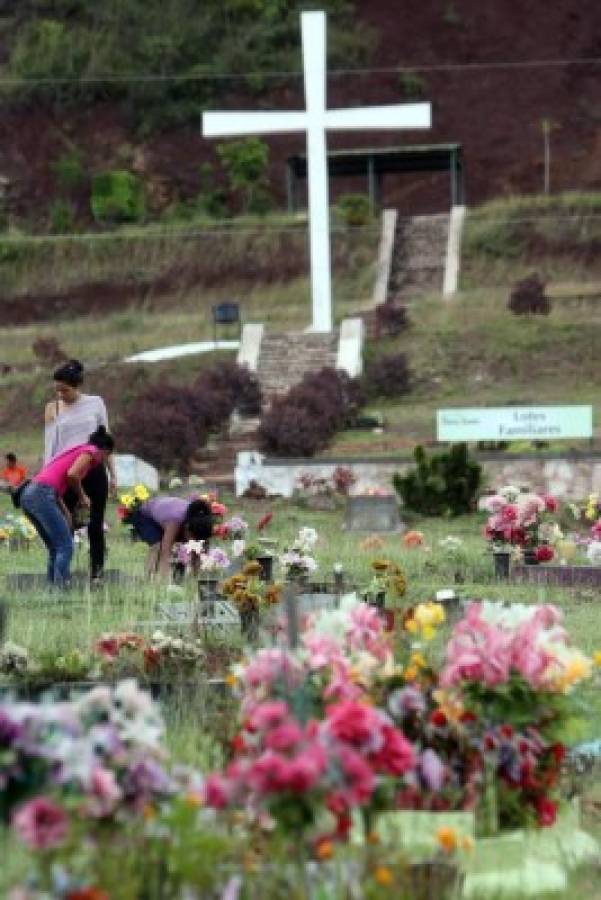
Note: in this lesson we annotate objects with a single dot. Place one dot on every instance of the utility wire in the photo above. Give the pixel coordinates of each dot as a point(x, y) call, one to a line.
point(332, 73)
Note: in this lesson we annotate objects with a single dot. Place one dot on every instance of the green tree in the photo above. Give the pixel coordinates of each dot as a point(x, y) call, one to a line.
point(245, 165)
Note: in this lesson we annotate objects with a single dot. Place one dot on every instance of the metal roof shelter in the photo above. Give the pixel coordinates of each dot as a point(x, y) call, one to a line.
point(375, 162)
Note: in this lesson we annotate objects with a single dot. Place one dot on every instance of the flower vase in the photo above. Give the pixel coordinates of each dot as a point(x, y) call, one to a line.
point(501, 559)
point(249, 623)
point(266, 563)
point(530, 558)
point(207, 588)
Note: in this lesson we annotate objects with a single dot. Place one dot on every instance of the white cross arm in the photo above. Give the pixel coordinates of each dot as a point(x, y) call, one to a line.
point(229, 124)
point(406, 115)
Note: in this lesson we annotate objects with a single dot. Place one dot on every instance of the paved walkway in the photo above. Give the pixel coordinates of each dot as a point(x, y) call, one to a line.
point(182, 350)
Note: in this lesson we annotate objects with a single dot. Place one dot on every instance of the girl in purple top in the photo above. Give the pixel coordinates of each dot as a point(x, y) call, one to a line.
point(42, 499)
point(162, 521)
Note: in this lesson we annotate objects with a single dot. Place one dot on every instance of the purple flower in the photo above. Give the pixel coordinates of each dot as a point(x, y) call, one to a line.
point(10, 731)
point(145, 779)
point(405, 701)
point(432, 770)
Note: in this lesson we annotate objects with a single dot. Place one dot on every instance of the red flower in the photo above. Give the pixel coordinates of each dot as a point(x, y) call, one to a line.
point(152, 658)
point(558, 752)
point(506, 731)
point(546, 811)
point(551, 504)
point(438, 718)
point(221, 531)
point(264, 521)
point(122, 512)
point(544, 553)
point(467, 717)
point(87, 893)
point(396, 754)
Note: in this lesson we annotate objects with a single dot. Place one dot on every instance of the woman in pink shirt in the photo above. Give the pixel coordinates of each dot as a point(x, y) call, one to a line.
point(42, 499)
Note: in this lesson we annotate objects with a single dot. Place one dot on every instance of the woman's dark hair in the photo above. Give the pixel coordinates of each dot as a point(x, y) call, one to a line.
point(70, 373)
point(199, 520)
point(102, 439)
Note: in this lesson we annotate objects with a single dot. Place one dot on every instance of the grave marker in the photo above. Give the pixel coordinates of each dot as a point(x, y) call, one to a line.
point(314, 121)
point(372, 513)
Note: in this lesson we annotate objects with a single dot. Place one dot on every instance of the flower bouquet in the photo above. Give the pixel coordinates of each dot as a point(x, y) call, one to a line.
point(16, 531)
point(130, 503)
point(521, 521)
point(388, 582)
point(296, 561)
point(250, 593)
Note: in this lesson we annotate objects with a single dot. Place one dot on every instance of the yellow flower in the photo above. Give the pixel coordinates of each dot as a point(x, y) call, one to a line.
point(411, 626)
point(447, 838)
point(597, 658)
point(127, 500)
point(231, 680)
point(324, 849)
point(383, 876)
point(193, 798)
point(467, 844)
point(417, 660)
point(411, 673)
point(141, 493)
point(428, 633)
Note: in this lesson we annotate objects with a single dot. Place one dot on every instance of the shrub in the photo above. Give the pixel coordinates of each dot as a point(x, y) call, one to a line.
point(245, 164)
point(237, 384)
point(391, 320)
point(48, 351)
point(353, 210)
point(69, 169)
point(117, 196)
point(528, 298)
point(61, 217)
point(444, 484)
point(387, 376)
point(304, 420)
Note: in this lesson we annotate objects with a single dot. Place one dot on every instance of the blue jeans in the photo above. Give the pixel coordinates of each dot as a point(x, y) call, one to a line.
point(39, 503)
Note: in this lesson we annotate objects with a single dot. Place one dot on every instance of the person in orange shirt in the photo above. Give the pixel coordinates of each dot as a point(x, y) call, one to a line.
point(13, 473)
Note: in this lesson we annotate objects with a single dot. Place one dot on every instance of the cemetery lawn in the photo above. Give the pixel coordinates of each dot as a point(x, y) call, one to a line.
point(200, 724)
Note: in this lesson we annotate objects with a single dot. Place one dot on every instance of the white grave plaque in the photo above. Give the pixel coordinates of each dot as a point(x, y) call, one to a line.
point(131, 470)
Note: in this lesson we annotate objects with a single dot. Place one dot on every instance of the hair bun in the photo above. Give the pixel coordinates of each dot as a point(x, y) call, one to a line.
point(76, 366)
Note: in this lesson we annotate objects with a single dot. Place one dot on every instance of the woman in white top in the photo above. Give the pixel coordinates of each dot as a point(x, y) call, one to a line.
point(68, 421)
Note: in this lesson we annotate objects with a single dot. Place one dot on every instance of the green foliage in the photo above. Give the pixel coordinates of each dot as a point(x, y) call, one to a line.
point(61, 217)
point(117, 196)
point(245, 165)
point(77, 39)
point(444, 484)
point(69, 169)
point(413, 85)
point(353, 210)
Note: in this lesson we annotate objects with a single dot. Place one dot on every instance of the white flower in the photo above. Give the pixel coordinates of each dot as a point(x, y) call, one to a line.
point(175, 482)
point(510, 493)
point(194, 547)
point(593, 553)
point(238, 548)
point(306, 539)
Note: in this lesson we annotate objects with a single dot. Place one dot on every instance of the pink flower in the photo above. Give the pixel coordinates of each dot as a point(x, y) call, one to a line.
point(41, 824)
point(305, 770)
point(218, 791)
point(509, 513)
point(353, 723)
point(284, 736)
point(396, 756)
point(361, 781)
point(104, 792)
point(432, 770)
point(551, 504)
point(267, 715)
point(596, 531)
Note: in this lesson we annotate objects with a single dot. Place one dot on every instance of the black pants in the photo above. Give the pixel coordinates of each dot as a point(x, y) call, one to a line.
point(96, 486)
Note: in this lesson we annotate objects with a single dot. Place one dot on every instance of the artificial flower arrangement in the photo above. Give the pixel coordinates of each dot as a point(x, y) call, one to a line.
point(297, 561)
point(512, 672)
point(128, 653)
point(522, 520)
point(130, 502)
point(248, 591)
point(388, 582)
point(311, 747)
point(19, 528)
point(589, 513)
point(19, 665)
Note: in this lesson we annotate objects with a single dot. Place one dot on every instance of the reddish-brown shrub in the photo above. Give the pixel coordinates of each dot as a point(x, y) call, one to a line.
point(528, 298)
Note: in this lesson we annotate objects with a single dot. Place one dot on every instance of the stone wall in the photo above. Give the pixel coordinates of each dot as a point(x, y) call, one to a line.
point(564, 477)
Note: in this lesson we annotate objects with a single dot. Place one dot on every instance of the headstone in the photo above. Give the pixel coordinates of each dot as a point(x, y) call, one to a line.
point(131, 470)
point(217, 616)
point(372, 514)
point(559, 576)
point(35, 581)
point(311, 603)
point(180, 613)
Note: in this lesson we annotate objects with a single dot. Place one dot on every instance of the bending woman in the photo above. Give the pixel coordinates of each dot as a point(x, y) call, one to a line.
point(42, 499)
point(162, 521)
point(68, 421)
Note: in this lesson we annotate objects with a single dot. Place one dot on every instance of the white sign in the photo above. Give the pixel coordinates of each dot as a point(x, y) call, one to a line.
point(314, 120)
point(514, 423)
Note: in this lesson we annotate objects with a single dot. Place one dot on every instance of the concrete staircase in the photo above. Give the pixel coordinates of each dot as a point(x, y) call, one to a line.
point(285, 359)
point(419, 256)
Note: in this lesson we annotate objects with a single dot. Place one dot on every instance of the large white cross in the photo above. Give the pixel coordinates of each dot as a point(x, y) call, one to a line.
point(314, 121)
